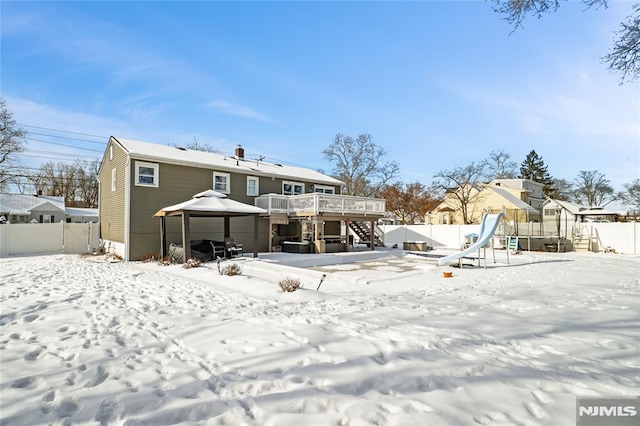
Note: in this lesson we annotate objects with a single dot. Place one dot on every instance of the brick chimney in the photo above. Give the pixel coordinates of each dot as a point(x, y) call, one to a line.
point(239, 152)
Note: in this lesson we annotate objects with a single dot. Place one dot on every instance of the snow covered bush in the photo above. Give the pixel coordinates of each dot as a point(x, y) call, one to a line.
point(191, 263)
point(289, 284)
point(231, 270)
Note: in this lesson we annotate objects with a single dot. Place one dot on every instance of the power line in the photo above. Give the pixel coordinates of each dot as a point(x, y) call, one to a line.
point(61, 144)
point(62, 131)
point(66, 137)
point(55, 155)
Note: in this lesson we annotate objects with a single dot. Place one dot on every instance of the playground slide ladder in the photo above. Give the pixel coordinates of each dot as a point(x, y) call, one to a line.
point(512, 244)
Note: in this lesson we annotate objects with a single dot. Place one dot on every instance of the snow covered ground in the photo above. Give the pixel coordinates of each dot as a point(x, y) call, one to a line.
point(388, 341)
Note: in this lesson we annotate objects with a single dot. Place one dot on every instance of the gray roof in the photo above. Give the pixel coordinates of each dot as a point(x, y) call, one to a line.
point(173, 155)
point(572, 208)
point(81, 211)
point(513, 199)
point(23, 204)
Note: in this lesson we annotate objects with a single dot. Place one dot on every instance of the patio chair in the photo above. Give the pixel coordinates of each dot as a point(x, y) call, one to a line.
point(233, 249)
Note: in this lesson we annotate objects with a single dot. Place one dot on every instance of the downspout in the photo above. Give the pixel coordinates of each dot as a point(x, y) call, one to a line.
point(127, 208)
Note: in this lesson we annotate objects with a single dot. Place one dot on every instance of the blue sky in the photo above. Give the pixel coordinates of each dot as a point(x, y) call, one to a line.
point(437, 84)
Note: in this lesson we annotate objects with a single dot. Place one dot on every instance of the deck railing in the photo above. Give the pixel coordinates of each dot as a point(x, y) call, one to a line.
point(317, 203)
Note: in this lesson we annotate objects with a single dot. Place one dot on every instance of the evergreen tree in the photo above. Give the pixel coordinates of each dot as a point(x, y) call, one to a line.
point(533, 168)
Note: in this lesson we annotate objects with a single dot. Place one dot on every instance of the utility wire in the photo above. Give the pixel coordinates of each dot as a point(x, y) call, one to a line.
point(65, 137)
point(62, 131)
point(61, 144)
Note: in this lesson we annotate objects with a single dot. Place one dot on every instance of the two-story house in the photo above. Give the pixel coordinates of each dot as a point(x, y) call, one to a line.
point(520, 199)
point(303, 206)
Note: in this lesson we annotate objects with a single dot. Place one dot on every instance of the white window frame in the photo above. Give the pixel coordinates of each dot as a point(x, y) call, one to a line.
point(155, 177)
point(114, 175)
point(227, 177)
point(293, 187)
point(110, 152)
point(323, 189)
point(257, 186)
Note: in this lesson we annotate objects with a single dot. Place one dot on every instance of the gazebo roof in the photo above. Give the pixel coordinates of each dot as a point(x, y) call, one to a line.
point(210, 203)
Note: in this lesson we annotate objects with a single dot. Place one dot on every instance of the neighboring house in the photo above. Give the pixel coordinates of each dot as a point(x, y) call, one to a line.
point(492, 197)
point(557, 212)
point(20, 208)
point(136, 179)
point(533, 195)
point(566, 214)
point(81, 215)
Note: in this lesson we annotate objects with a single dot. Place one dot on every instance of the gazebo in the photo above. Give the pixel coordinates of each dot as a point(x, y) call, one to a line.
point(208, 203)
point(597, 213)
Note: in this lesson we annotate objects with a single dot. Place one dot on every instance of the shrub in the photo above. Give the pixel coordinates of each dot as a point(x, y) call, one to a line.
point(151, 257)
point(289, 284)
point(191, 263)
point(231, 270)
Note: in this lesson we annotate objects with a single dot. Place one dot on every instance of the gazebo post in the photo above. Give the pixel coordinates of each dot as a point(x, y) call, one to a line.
point(227, 232)
point(373, 235)
point(255, 235)
point(186, 236)
point(163, 236)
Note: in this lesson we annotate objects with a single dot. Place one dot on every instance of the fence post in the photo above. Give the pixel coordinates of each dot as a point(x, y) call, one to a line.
point(4, 239)
point(63, 236)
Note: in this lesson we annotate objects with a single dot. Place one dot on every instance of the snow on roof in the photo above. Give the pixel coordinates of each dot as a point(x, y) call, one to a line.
point(213, 202)
point(23, 204)
point(572, 208)
point(597, 212)
point(513, 199)
point(77, 211)
point(174, 155)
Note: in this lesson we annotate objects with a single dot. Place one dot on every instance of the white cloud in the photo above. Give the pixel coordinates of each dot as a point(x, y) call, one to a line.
point(224, 107)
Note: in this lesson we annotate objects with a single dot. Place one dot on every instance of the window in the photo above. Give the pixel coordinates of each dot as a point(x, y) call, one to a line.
point(221, 182)
point(113, 179)
point(146, 174)
point(292, 188)
point(550, 212)
point(325, 189)
point(45, 218)
point(252, 186)
point(111, 152)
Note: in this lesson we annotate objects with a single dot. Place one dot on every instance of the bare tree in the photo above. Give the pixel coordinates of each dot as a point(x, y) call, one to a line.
point(196, 145)
point(500, 166)
point(561, 189)
point(462, 187)
point(76, 182)
point(87, 183)
point(631, 194)
point(625, 55)
point(57, 180)
point(360, 164)
point(409, 203)
point(11, 144)
point(592, 188)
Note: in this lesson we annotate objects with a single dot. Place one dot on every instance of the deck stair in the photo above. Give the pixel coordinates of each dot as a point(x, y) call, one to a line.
point(363, 231)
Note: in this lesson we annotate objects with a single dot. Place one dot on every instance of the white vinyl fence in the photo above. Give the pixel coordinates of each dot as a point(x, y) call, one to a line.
point(48, 238)
point(622, 237)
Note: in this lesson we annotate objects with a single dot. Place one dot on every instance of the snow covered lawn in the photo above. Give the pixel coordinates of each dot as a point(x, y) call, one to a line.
point(390, 341)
